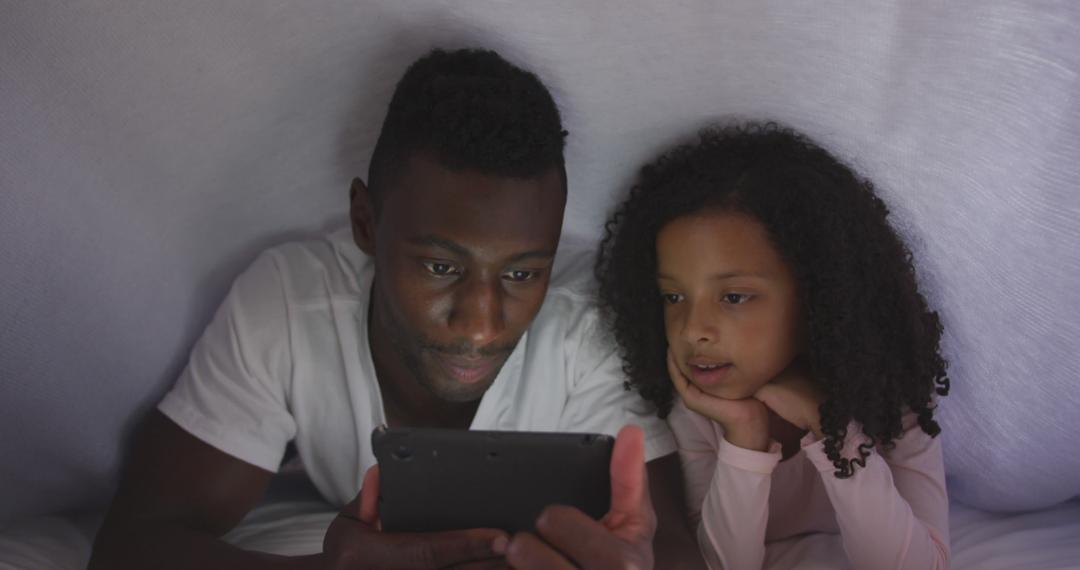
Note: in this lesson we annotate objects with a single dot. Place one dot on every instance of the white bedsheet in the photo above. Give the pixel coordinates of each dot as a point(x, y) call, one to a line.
point(1048, 539)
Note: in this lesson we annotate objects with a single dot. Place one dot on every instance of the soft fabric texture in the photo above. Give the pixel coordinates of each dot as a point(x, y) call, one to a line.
point(148, 151)
point(892, 513)
point(287, 358)
point(1041, 540)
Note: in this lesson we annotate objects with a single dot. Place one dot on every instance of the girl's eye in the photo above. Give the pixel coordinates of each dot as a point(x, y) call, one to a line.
point(736, 298)
point(520, 275)
point(671, 298)
point(440, 269)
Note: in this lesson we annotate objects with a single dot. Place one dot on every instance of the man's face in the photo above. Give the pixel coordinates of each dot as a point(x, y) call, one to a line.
point(462, 263)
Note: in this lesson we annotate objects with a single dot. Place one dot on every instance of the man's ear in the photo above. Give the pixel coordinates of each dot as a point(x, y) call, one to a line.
point(362, 216)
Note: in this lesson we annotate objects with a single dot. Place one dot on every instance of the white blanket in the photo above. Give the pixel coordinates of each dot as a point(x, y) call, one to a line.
point(1048, 539)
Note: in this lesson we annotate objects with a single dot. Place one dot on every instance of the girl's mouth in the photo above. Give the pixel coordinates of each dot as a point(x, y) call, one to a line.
point(708, 374)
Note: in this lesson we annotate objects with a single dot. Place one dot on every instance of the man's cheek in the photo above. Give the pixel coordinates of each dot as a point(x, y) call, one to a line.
point(520, 315)
point(432, 310)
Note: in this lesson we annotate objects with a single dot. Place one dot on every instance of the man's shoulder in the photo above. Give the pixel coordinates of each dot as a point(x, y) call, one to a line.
point(574, 268)
point(314, 269)
point(329, 250)
point(572, 289)
point(570, 308)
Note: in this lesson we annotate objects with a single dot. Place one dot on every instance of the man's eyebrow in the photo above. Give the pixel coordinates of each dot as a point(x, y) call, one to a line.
point(443, 243)
point(436, 241)
point(535, 254)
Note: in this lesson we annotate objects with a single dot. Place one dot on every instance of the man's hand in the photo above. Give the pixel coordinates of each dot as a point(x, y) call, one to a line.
point(745, 422)
point(622, 539)
point(794, 397)
point(355, 540)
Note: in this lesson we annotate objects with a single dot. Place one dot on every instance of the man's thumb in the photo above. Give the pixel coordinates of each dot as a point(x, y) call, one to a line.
point(629, 484)
point(369, 496)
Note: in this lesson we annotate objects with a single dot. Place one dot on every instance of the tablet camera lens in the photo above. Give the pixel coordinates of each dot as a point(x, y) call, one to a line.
point(403, 453)
point(493, 455)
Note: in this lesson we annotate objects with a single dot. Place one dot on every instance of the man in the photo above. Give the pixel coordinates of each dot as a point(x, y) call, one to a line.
point(434, 310)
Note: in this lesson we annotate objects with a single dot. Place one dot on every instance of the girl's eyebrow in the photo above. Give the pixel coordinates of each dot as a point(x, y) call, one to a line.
point(721, 276)
point(734, 274)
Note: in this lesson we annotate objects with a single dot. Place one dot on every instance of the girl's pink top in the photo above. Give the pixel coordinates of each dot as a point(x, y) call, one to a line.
point(893, 513)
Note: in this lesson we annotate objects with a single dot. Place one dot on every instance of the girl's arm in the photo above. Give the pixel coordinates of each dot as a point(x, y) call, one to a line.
point(893, 513)
point(727, 490)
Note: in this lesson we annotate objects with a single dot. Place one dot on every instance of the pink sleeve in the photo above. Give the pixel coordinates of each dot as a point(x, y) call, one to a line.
point(893, 513)
point(727, 490)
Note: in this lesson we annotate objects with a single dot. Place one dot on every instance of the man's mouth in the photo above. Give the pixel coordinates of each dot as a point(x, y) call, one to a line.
point(469, 370)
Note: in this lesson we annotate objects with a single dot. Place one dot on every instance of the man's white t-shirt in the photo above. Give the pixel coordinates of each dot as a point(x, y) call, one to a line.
point(286, 358)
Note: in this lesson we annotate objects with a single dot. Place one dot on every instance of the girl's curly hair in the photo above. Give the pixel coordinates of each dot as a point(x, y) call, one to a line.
point(872, 344)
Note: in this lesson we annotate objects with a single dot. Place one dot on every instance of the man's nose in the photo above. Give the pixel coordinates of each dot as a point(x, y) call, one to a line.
point(478, 311)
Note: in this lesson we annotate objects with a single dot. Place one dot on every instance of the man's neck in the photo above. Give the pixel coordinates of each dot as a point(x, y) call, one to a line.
point(406, 402)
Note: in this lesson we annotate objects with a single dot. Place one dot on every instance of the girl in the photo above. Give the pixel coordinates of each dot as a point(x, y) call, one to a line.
point(761, 299)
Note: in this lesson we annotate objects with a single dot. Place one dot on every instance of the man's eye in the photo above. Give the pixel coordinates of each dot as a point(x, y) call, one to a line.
point(519, 275)
point(440, 269)
point(671, 298)
point(736, 298)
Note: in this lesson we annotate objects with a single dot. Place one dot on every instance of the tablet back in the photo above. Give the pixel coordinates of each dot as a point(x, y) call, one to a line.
point(441, 479)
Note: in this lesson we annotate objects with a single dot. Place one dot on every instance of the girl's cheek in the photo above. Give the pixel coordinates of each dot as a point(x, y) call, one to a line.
point(670, 328)
point(673, 343)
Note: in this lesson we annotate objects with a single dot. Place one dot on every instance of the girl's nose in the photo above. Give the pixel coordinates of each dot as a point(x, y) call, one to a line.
point(700, 326)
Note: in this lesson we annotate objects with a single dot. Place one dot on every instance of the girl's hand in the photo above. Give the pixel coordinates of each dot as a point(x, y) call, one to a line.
point(794, 397)
point(745, 422)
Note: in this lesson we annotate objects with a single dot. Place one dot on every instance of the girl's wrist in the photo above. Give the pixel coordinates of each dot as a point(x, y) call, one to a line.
point(748, 436)
point(813, 424)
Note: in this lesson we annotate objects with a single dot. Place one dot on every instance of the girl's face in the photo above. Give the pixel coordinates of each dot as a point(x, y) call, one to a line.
point(731, 312)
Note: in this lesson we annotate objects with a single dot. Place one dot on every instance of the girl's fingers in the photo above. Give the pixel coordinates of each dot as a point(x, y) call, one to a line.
point(764, 395)
point(682, 384)
point(692, 396)
point(787, 403)
point(718, 409)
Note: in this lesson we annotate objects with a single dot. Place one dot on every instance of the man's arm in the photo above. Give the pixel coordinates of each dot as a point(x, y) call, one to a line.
point(674, 545)
point(177, 497)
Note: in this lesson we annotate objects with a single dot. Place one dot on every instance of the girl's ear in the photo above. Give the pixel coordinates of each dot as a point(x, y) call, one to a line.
point(362, 216)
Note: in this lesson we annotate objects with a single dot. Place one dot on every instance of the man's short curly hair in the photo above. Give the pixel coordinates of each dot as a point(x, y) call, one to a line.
point(872, 344)
point(471, 109)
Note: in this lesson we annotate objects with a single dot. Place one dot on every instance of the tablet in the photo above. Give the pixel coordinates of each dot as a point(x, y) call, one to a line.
point(444, 479)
